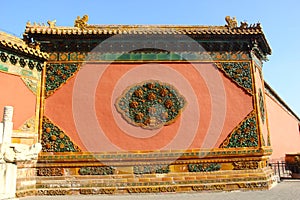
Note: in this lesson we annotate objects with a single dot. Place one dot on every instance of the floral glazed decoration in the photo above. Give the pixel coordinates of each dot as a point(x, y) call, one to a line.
point(150, 104)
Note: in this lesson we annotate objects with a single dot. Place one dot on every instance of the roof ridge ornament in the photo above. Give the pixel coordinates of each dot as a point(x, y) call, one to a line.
point(81, 22)
point(244, 25)
point(231, 23)
point(51, 23)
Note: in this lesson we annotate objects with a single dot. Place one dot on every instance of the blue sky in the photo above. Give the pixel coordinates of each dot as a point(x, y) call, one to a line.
point(280, 21)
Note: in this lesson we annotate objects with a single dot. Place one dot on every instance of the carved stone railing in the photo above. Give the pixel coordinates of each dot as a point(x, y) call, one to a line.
point(10, 154)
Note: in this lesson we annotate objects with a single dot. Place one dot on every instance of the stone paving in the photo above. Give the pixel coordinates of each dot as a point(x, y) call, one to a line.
point(287, 190)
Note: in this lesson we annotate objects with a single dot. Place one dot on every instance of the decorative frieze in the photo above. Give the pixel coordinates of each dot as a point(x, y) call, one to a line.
point(88, 191)
point(13, 59)
point(52, 192)
point(213, 187)
point(242, 165)
point(185, 156)
point(151, 169)
point(25, 193)
point(50, 171)
point(254, 185)
point(205, 167)
point(145, 56)
point(106, 170)
point(152, 189)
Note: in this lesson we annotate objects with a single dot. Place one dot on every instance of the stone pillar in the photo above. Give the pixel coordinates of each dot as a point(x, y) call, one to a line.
point(8, 171)
point(8, 177)
point(6, 126)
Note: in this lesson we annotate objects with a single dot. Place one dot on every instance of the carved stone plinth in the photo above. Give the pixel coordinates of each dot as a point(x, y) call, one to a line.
point(11, 154)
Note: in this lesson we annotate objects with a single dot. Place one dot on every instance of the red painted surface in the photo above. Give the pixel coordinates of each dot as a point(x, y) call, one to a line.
point(58, 108)
point(263, 124)
point(238, 106)
point(85, 109)
point(15, 93)
point(284, 130)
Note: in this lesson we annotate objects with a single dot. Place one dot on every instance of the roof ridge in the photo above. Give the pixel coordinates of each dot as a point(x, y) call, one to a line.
point(16, 43)
point(81, 23)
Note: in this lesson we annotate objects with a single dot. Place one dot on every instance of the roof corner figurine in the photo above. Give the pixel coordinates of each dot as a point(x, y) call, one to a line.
point(231, 23)
point(81, 22)
point(51, 23)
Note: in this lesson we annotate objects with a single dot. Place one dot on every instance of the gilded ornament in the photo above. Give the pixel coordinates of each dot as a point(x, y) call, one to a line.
point(139, 116)
point(61, 135)
point(168, 103)
point(151, 96)
point(134, 104)
point(58, 72)
point(48, 146)
point(53, 137)
point(139, 93)
point(150, 86)
point(48, 130)
point(163, 92)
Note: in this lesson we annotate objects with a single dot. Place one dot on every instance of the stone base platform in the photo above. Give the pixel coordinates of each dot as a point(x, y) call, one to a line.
point(149, 172)
point(260, 179)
